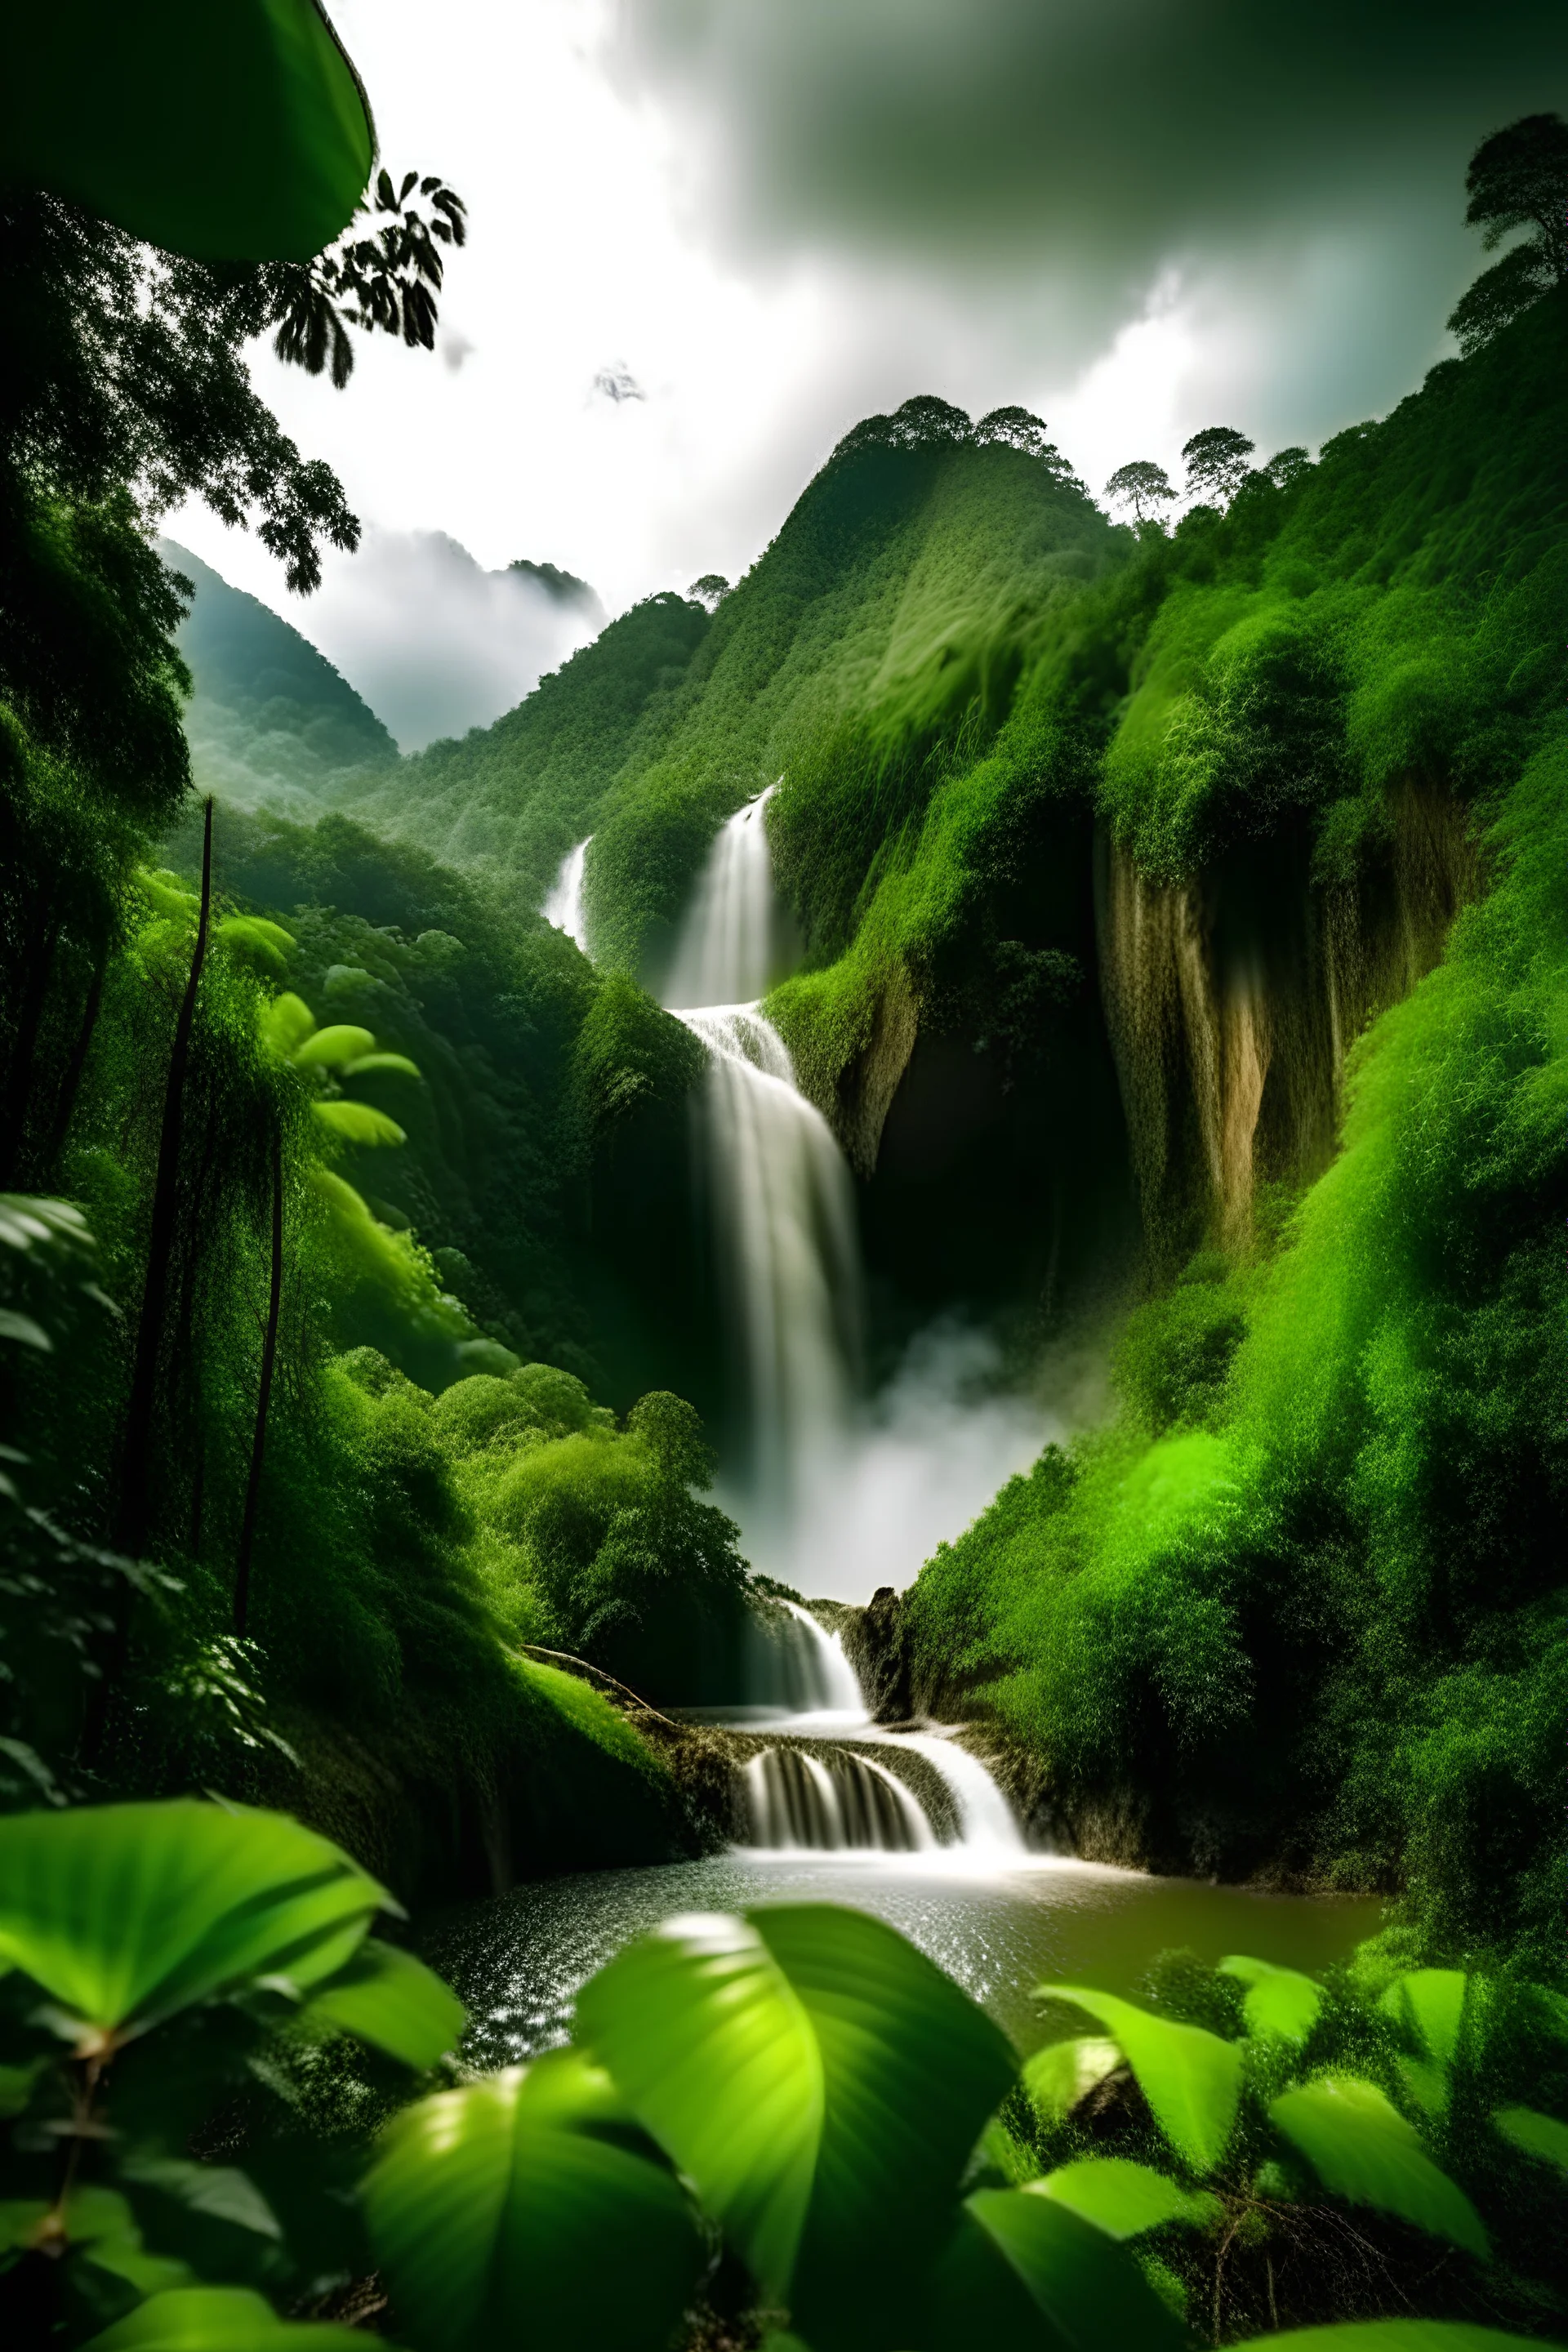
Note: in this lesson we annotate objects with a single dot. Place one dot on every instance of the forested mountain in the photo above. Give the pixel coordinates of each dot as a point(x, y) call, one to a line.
point(270, 722)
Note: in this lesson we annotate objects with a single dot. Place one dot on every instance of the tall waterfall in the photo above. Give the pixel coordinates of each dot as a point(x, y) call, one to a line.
point(836, 1493)
point(564, 907)
point(780, 1192)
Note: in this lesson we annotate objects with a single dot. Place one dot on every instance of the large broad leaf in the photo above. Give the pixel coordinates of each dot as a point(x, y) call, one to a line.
point(328, 1049)
point(1280, 2004)
point(1022, 2274)
point(528, 2209)
point(1392, 2335)
point(218, 2319)
point(1191, 2079)
point(1062, 2073)
point(124, 1914)
point(820, 2081)
point(286, 1022)
point(1431, 2004)
point(357, 1123)
point(1536, 2134)
point(234, 132)
point(393, 2001)
point(1124, 2199)
point(378, 1061)
point(1361, 2147)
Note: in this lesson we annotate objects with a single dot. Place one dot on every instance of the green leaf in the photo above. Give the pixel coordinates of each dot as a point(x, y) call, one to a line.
point(528, 2208)
point(1427, 2085)
point(1124, 2199)
point(819, 2081)
point(357, 1123)
point(1392, 2335)
point(1191, 2079)
point(328, 1048)
point(235, 134)
point(364, 1062)
point(1020, 2272)
point(17, 2087)
point(393, 2001)
point(1537, 2135)
point(218, 2319)
point(217, 2191)
point(1360, 2147)
point(1062, 2073)
point(1429, 2004)
point(125, 1913)
point(24, 1331)
point(286, 1024)
point(257, 941)
point(1281, 2004)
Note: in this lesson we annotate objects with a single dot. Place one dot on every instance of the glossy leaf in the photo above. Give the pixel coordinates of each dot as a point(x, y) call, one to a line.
point(1429, 2004)
point(393, 2001)
point(1062, 2073)
point(1536, 2134)
point(327, 1049)
point(1124, 2199)
point(820, 2081)
point(528, 2208)
point(233, 133)
point(356, 1122)
point(380, 1061)
point(124, 1914)
point(1280, 2004)
point(218, 2319)
point(1022, 2274)
point(1361, 2147)
point(1191, 2079)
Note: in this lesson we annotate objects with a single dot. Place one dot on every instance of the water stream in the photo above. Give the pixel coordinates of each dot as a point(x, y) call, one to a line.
point(564, 905)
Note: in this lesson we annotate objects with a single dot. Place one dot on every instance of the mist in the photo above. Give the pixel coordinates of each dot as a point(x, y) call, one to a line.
point(433, 643)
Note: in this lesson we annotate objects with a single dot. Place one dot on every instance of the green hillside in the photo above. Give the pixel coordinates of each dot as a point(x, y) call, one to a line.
point(507, 801)
point(270, 722)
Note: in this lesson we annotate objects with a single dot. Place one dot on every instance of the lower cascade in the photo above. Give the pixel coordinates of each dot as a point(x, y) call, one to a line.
point(819, 1790)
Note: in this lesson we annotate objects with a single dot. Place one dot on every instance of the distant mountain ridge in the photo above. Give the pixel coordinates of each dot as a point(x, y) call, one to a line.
point(271, 723)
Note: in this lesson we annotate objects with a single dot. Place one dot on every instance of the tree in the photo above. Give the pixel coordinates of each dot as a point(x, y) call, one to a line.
point(711, 590)
point(1143, 485)
point(1287, 467)
point(1216, 464)
point(388, 281)
point(1517, 180)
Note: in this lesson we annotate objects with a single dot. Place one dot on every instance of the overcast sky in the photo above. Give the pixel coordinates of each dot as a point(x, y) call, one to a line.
point(763, 219)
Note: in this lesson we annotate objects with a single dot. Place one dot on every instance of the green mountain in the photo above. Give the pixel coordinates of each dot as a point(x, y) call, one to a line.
point(270, 723)
point(1183, 931)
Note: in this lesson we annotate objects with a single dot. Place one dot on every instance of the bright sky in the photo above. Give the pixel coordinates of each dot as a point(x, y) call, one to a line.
point(612, 228)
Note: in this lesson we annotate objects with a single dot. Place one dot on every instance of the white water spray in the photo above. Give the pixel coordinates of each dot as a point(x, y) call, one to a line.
point(563, 908)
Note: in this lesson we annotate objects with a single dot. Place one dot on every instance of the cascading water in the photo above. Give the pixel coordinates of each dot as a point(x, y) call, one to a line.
point(781, 1194)
point(564, 907)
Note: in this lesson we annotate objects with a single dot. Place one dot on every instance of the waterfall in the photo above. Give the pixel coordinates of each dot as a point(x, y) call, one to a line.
point(564, 907)
point(780, 1194)
point(796, 1800)
point(831, 1683)
point(727, 944)
point(986, 1822)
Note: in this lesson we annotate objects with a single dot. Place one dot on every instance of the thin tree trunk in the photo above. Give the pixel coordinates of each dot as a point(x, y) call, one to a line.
point(130, 1532)
point(70, 1085)
point(263, 1398)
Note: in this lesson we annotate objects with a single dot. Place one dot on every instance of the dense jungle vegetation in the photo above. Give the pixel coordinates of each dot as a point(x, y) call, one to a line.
point(1183, 968)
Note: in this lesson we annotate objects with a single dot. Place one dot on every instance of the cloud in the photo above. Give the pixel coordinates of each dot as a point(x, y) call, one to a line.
point(435, 644)
point(1095, 141)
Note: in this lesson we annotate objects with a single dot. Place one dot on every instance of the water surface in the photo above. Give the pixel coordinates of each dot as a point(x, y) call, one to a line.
point(518, 1961)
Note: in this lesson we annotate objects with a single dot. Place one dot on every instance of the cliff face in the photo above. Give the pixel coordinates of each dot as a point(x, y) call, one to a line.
point(1233, 998)
point(1229, 1002)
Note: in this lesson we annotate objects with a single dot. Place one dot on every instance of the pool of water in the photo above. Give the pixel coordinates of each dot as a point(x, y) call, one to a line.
point(519, 1960)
